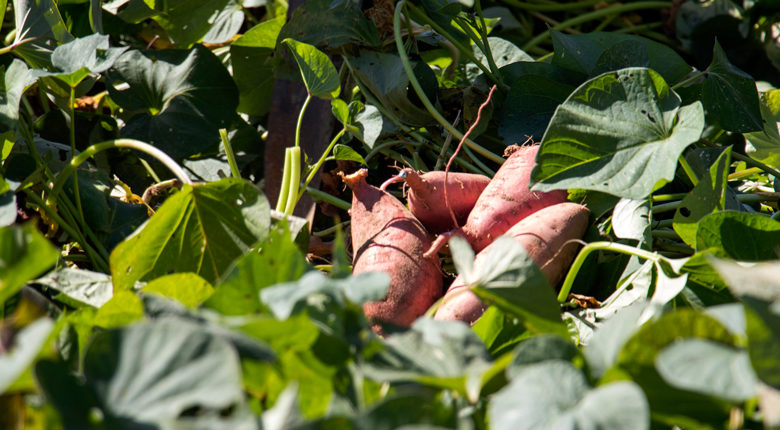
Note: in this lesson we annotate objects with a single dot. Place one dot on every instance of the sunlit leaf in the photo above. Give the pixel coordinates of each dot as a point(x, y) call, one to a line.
point(619, 133)
point(319, 75)
point(24, 254)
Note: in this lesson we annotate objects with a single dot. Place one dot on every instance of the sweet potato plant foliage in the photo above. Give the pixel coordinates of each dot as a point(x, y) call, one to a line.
point(146, 281)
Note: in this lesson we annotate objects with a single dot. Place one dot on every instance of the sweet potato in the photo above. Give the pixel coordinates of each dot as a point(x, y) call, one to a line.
point(386, 237)
point(545, 235)
point(426, 197)
point(507, 199)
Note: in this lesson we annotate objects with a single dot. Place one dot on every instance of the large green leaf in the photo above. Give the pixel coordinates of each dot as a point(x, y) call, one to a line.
point(24, 254)
point(277, 260)
point(708, 196)
point(252, 69)
point(764, 145)
point(528, 107)
point(180, 98)
point(619, 133)
point(187, 21)
point(154, 372)
point(40, 26)
point(327, 24)
point(758, 287)
point(186, 288)
point(555, 395)
point(27, 343)
point(596, 53)
point(608, 339)
point(709, 368)
point(506, 276)
point(383, 75)
point(78, 58)
point(730, 96)
point(318, 72)
point(201, 229)
point(15, 78)
point(639, 354)
point(744, 236)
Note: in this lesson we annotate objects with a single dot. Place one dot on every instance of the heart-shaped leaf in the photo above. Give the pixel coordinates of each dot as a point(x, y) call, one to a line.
point(620, 133)
point(180, 98)
point(201, 229)
point(708, 196)
point(555, 395)
point(764, 145)
point(16, 77)
point(250, 56)
point(318, 72)
point(730, 95)
point(744, 236)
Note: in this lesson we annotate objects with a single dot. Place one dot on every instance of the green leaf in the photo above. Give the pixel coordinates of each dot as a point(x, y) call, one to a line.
point(744, 236)
point(631, 220)
point(708, 196)
point(277, 260)
point(39, 20)
point(619, 133)
point(507, 277)
point(369, 124)
point(499, 331)
point(16, 77)
point(290, 298)
point(250, 56)
point(538, 349)
point(729, 95)
point(226, 25)
point(8, 207)
point(340, 110)
point(383, 75)
point(79, 287)
point(764, 146)
point(504, 53)
point(328, 25)
point(180, 98)
point(24, 254)
point(344, 152)
point(78, 58)
point(187, 21)
point(608, 339)
point(318, 72)
point(556, 395)
point(708, 368)
point(153, 372)
point(596, 53)
point(639, 354)
point(187, 288)
point(201, 229)
point(758, 288)
point(26, 345)
point(123, 309)
point(529, 106)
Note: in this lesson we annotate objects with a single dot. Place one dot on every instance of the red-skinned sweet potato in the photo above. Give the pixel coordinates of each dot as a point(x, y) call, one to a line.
point(546, 235)
point(386, 237)
point(508, 199)
point(426, 197)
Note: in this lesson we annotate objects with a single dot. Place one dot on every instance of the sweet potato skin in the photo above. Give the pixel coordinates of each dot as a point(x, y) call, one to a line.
point(386, 237)
point(545, 235)
point(426, 197)
point(508, 199)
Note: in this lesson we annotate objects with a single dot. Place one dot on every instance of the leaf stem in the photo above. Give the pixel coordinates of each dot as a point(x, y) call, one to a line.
point(689, 80)
point(590, 16)
point(295, 179)
point(421, 94)
point(688, 170)
point(116, 143)
point(319, 195)
point(300, 119)
point(284, 189)
point(72, 136)
point(319, 163)
point(753, 162)
point(231, 156)
point(596, 246)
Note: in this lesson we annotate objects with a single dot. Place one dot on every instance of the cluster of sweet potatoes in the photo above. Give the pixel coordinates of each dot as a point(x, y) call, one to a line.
point(389, 237)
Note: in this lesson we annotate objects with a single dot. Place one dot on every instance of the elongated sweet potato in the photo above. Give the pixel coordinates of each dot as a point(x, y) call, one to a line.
point(426, 197)
point(545, 235)
point(386, 237)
